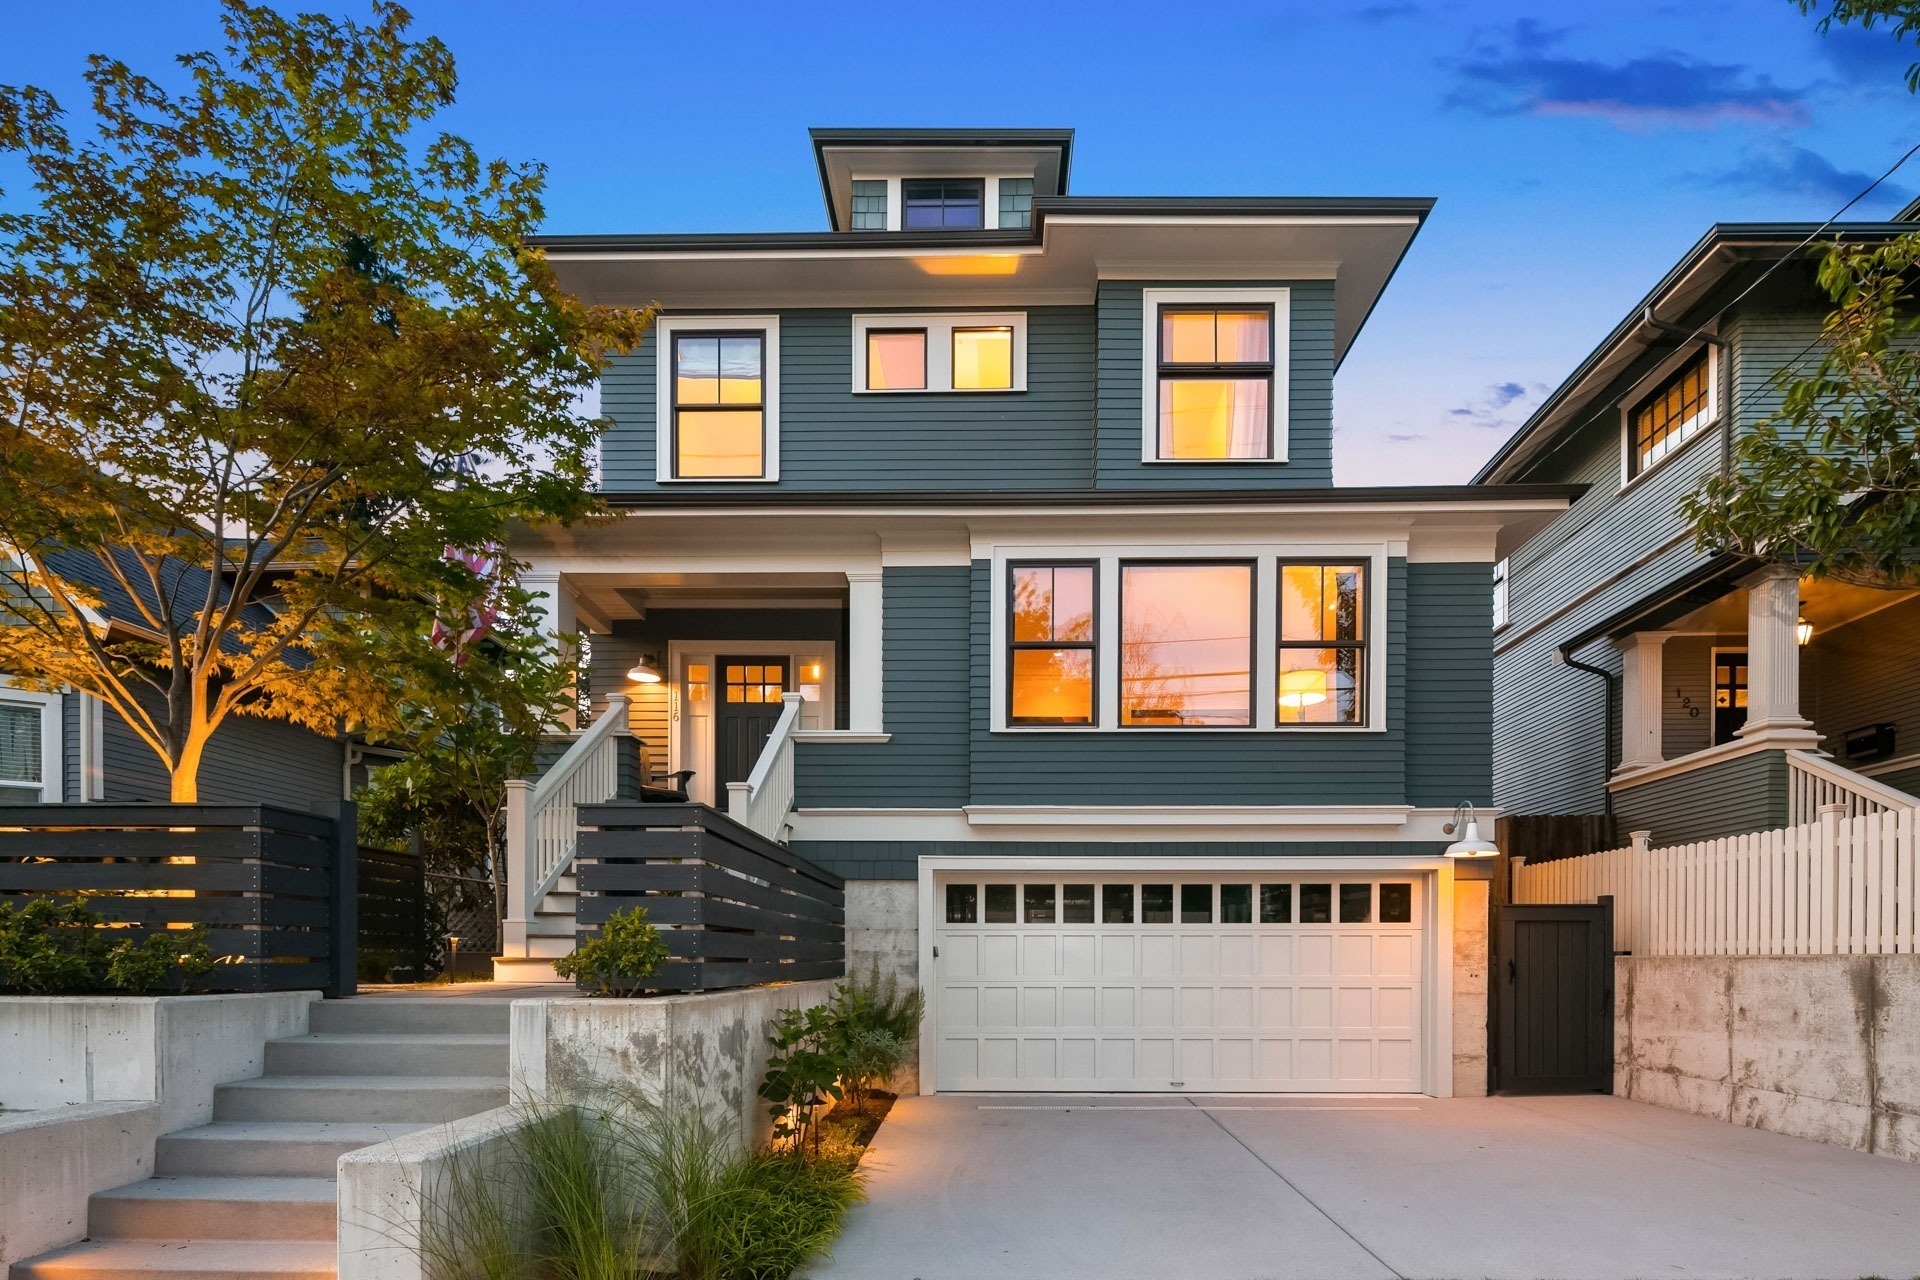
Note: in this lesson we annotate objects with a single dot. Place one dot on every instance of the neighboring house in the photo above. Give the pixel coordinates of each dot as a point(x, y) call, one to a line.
point(1691, 695)
point(70, 747)
point(1133, 734)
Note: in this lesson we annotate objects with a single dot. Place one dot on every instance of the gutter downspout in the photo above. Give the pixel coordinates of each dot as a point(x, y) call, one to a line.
point(1725, 390)
point(1606, 750)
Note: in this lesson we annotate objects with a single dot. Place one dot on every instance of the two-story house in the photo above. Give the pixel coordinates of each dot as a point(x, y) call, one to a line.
point(1136, 737)
point(1687, 694)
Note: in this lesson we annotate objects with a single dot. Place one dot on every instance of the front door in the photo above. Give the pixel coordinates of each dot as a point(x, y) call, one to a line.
point(745, 709)
point(1729, 693)
point(1555, 965)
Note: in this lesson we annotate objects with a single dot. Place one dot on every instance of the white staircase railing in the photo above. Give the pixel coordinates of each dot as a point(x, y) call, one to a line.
point(1815, 783)
point(764, 800)
point(543, 823)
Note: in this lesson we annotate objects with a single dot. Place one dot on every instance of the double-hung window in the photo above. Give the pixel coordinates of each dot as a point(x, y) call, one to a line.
point(718, 404)
point(1052, 654)
point(1186, 645)
point(1676, 412)
point(29, 747)
point(1216, 381)
point(1321, 669)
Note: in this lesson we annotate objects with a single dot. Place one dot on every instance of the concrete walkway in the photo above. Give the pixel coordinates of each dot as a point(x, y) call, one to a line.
point(1150, 1188)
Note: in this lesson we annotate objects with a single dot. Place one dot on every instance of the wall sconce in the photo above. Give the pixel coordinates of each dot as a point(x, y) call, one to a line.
point(645, 671)
point(1803, 631)
point(1469, 845)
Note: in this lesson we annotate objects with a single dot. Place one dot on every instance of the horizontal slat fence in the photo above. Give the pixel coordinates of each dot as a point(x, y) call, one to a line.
point(275, 887)
point(1839, 886)
point(393, 907)
point(735, 909)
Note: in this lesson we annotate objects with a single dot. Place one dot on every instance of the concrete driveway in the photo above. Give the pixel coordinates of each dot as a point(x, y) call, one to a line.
point(1145, 1188)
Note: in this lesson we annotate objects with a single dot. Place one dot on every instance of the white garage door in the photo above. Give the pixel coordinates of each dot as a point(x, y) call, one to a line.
point(1050, 981)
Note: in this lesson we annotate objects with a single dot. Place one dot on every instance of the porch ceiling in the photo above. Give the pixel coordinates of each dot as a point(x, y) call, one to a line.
point(1824, 603)
point(623, 596)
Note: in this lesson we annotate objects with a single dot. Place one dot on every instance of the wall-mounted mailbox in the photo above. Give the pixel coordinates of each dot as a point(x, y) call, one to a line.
point(1873, 742)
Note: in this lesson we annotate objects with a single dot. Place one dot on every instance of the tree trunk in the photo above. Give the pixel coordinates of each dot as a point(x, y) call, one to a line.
point(185, 769)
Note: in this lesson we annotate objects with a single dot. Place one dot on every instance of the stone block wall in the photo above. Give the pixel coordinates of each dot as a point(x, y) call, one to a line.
point(1820, 1047)
point(1471, 899)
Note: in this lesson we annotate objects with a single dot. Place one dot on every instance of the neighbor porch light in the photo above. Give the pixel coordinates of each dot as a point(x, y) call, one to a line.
point(645, 671)
point(1469, 845)
point(1803, 631)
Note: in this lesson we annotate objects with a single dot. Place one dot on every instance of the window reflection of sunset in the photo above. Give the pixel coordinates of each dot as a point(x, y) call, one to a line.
point(1321, 664)
point(1052, 606)
point(1186, 647)
point(897, 361)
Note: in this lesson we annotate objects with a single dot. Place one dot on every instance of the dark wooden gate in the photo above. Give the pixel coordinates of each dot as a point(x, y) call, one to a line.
point(747, 706)
point(1554, 976)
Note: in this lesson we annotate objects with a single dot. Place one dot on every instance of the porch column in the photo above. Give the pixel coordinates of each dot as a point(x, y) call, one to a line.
point(866, 634)
point(553, 601)
point(1773, 652)
point(1640, 688)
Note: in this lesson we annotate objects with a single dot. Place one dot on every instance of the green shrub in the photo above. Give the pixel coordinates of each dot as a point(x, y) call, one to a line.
point(775, 1214)
point(874, 1025)
point(375, 964)
point(804, 1071)
point(620, 960)
point(52, 946)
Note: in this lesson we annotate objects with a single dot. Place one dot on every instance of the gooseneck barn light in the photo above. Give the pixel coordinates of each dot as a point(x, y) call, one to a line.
point(1469, 845)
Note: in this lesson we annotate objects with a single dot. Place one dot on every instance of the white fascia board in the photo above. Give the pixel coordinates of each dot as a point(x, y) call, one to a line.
point(988, 824)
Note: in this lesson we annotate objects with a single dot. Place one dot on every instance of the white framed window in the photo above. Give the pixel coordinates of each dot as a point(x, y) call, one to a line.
point(1672, 406)
point(717, 404)
point(1214, 378)
point(30, 763)
point(1500, 593)
point(1189, 637)
point(966, 352)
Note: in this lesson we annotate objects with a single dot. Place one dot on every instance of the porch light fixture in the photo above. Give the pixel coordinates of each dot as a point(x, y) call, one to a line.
point(645, 671)
point(1803, 630)
point(1469, 845)
point(1303, 688)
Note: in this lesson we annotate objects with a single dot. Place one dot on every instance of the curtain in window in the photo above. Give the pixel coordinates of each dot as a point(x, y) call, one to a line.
point(19, 754)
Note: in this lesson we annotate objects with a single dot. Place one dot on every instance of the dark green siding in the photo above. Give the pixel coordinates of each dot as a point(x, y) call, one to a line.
point(248, 761)
point(899, 859)
point(1309, 402)
point(925, 689)
point(1223, 767)
point(1448, 704)
point(1748, 793)
point(832, 439)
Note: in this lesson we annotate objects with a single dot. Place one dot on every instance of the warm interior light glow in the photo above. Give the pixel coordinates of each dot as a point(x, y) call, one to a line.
point(1213, 418)
point(970, 264)
point(983, 359)
point(720, 443)
point(1303, 688)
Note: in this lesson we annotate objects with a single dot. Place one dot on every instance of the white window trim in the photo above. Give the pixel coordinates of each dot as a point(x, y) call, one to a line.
point(896, 205)
point(1151, 300)
point(52, 761)
point(940, 326)
point(664, 330)
point(1502, 594)
point(1266, 558)
point(1702, 424)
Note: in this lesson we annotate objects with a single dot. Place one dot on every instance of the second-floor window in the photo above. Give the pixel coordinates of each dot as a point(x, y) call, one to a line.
point(1215, 382)
point(719, 405)
point(1051, 653)
point(1186, 645)
point(1500, 615)
point(1676, 412)
point(1322, 662)
point(949, 351)
point(950, 204)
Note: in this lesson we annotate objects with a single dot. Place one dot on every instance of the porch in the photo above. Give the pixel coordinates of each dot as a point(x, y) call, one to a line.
point(1752, 701)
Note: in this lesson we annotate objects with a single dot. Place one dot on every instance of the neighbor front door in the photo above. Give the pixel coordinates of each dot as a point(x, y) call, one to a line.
point(746, 706)
point(1729, 693)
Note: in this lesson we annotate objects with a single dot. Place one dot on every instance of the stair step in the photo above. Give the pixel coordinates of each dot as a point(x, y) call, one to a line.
point(206, 1259)
point(428, 1015)
point(537, 968)
point(364, 1099)
point(390, 1053)
point(215, 1209)
point(296, 1149)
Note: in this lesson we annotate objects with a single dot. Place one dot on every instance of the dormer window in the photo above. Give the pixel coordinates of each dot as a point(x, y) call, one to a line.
point(946, 204)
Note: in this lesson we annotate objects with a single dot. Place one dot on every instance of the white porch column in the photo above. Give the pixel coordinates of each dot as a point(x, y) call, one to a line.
point(1640, 688)
point(866, 635)
point(1773, 652)
point(553, 600)
point(519, 855)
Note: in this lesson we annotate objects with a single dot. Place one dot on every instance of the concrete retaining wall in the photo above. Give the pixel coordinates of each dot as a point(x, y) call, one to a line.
point(883, 937)
point(1820, 1047)
point(707, 1051)
point(388, 1192)
point(98, 1078)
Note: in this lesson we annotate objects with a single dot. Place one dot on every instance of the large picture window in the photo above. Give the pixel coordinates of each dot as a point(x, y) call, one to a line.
point(1052, 655)
point(1672, 415)
point(1322, 660)
point(1215, 383)
point(1186, 645)
point(719, 405)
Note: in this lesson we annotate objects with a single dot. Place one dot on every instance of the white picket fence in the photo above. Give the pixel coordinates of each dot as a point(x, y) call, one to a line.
point(1837, 886)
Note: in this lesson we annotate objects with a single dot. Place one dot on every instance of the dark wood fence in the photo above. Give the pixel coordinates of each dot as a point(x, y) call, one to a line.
point(393, 910)
point(1543, 837)
point(735, 908)
point(275, 887)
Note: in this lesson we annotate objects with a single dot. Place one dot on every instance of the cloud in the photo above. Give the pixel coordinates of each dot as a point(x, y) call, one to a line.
point(1501, 406)
point(1867, 56)
point(1796, 171)
point(1406, 438)
point(1525, 72)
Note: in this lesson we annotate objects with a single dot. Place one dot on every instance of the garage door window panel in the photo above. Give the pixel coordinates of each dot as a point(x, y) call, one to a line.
point(1236, 904)
point(1316, 904)
point(1003, 904)
point(963, 904)
point(1116, 904)
point(1156, 904)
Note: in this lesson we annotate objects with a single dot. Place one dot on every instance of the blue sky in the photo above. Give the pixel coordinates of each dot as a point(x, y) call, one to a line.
point(1575, 151)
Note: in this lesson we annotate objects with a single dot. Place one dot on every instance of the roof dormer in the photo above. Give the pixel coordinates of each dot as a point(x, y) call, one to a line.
point(928, 180)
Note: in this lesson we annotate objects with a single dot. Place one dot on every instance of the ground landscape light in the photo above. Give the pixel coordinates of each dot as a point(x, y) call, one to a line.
point(1469, 845)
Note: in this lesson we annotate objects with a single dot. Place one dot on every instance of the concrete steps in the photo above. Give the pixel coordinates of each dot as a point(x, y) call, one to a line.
point(252, 1195)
